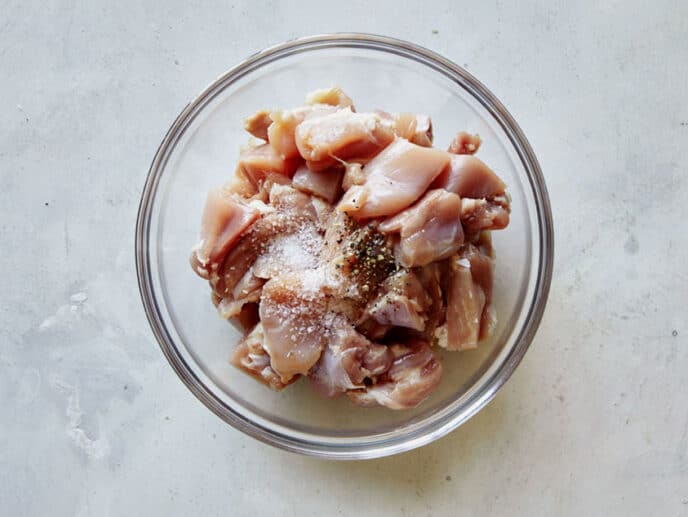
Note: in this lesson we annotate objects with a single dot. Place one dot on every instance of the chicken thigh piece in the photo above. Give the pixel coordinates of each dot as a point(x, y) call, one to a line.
point(395, 178)
point(430, 230)
point(414, 374)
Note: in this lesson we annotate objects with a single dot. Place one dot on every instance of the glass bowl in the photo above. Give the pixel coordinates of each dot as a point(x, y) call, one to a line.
point(200, 150)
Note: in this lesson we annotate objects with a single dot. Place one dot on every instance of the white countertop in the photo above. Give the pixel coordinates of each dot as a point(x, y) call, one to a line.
point(95, 422)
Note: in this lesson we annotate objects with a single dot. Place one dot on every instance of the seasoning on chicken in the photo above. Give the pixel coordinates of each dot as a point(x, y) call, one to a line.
point(295, 250)
point(362, 258)
point(269, 245)
point(346, 247)
point(395, 178)
point(246, 291)
point(291, 312)
point(401, 302)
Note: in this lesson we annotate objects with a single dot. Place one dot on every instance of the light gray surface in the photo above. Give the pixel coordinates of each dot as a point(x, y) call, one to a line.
point(94, 422)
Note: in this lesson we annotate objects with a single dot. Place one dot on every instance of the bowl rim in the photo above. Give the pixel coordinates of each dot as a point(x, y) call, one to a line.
point(532, 320)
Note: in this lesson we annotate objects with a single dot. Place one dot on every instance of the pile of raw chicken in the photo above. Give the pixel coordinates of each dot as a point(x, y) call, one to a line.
point(346, 247)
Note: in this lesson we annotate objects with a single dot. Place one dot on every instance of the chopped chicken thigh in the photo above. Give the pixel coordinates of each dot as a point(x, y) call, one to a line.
point(483, 214)
point(225, 218)
point(281, 132)
point(347, 360)
point(417, 129)
point(465, 143)
point(291, 313)
point(251, 356)
point(341, 136)
point(400, 302)
point(429, 231)
point(468, 176)
point(333, 96)
point(395, 178)
point(258, 123)
point(346, 246)
point(353, 175)
point(326, 184)
point(468, 298)
point(261, 163)
point(414, 374)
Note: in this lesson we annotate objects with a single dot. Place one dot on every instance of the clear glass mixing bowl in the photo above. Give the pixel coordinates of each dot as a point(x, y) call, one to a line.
point(200, 150)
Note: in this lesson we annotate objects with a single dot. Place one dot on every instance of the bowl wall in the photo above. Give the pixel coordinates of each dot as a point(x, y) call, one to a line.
point(201, 150)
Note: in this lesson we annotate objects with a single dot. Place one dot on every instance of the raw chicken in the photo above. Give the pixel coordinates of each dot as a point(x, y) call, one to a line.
point(429, 231)
point(483, 214)
point(465, 143)
point(292, 309)
point(373, 330)
point(240, 260)
point(346, 246)
point(468, 176)
point(400, 302)
point(240, 184)
point(246, 291)
point(291, 203)
point(415, 128)
point(481, 257)
point(323, 212)
point(360, 258)
point(292, 220)
point(225, 217)
point(333, 96)
point(353, 175)
point(248, 316)
point(484, 202)
point(430, 277)
point(470, 286)
point(395, 178)
point(231, 311)
point(344, 135)
point(250, 356)
point(258, 123)
point(327, 184)
point(348, 360)
point(414, 374)
point(294, 250)
point(262, 163)
point(284, 123)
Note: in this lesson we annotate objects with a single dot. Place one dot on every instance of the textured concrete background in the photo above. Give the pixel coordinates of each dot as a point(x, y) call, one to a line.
point(94, 422)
